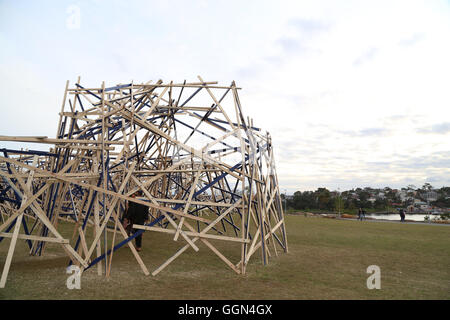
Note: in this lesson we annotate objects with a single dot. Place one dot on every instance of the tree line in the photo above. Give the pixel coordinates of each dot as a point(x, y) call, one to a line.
point(369, 198)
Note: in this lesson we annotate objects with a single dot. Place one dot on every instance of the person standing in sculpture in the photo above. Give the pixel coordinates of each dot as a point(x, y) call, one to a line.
point(135, 213)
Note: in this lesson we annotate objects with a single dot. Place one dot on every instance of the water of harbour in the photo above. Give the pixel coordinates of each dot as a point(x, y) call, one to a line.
point(396, 216)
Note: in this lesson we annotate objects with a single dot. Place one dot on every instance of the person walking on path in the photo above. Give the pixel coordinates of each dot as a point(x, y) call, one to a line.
point(360, 214)
point(402, 215)
point(135, 213)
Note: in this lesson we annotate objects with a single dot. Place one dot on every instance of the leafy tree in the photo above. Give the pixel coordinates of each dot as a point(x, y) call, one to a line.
point(380, 203)
point(349, 204)
point(323, 198)
point(427, 187)
point(442, 202)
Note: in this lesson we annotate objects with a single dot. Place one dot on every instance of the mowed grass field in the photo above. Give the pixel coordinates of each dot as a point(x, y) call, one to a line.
point(327, 259)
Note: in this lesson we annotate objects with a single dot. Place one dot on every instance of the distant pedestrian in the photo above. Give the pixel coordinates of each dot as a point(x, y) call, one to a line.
point(363, 215)
point(402, 215)
point(360, 214)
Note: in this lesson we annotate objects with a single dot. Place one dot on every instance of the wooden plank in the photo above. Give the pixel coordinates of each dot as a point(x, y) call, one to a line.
point(97, 218)
point(26, 205)
point(108, 192)
point(218, 104)
point(11, 249)
point(204, 231)
point(189, 241)
point(188, 204)
point(34, 238)
point(256, 247)
point(191, 234)
point(15, 234)
point(110, 211)
point(46, 140)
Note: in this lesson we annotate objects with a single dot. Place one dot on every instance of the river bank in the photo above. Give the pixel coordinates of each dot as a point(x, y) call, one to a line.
point(392, 217)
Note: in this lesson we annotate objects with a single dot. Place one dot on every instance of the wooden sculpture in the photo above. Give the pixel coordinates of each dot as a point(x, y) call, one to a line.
point(206, 173)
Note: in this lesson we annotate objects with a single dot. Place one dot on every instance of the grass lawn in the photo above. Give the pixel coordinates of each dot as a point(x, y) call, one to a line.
point(327, 259)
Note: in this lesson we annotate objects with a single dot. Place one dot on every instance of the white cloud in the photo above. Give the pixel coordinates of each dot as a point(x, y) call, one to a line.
point(340, 85)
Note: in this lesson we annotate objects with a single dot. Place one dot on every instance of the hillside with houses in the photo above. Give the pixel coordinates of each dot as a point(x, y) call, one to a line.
point(425, 199)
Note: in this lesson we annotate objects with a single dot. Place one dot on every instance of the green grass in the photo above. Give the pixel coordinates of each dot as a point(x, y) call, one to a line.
point(327, 259)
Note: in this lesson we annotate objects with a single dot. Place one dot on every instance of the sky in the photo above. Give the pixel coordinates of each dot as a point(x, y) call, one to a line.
point(353, 93)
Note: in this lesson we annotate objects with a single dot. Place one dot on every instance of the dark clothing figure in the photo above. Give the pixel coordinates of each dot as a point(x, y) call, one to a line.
point(402, 215)
point(135, 214)
point(361, 214)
